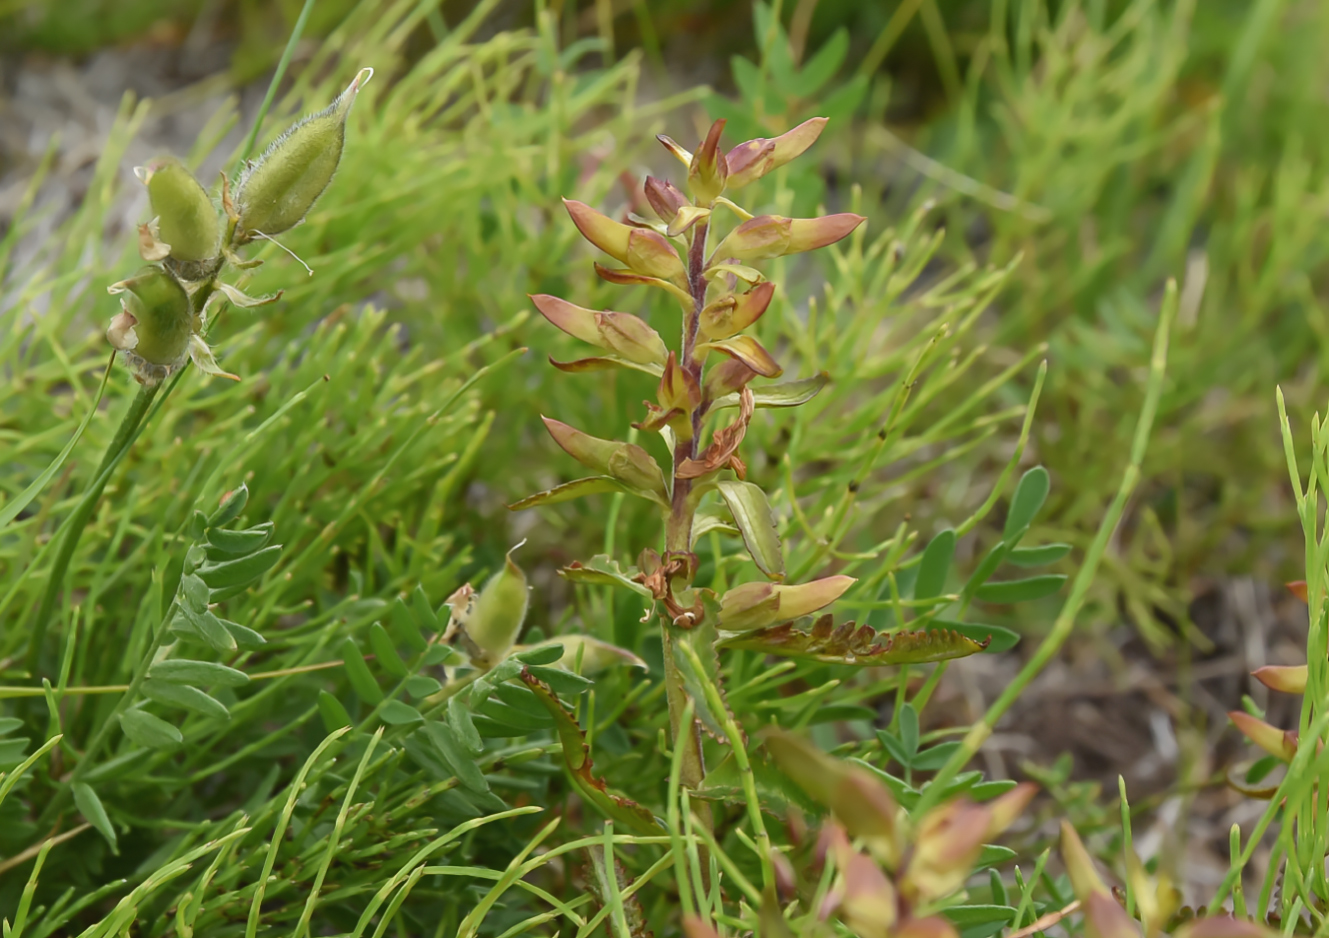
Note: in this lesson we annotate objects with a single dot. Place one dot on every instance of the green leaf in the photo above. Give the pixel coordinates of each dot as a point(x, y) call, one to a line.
point(702, 674)
point(183, 695)
point(150, 731)
point(965, 915)
point(171, 580)
point(24, 498)
point(822, 67)
point(231, 508)
point(835, 713)
point(441, 654)
point(242, 571)
point(908, 724)
point(334, 715)
point(992, 855)
point(397, 713)
point(244, 636)
point(357, 672)
point(986, 791)
point(1025, 504)
point(1019, 591)
point(855, 645)
point(929, 760)
point(422, 685)
point(11, 752)
point(752, 513)
point(784, 394)
point(564, 683)
point(986, 567)
point(243, 543)
point(541, 654)
point(936, 562)
point(420, 608)
point(1038, 556)
point(577, 756)
point(509, 716)
point(384, 652)
point(594, 485)
point(462, 765)
point(999, 639)
point(459, 718)
point(9, 724)
point(600, 569)
point(94, 812)
point(402, 626)
point(208, 628)
point(896, 747)
point(198, 673)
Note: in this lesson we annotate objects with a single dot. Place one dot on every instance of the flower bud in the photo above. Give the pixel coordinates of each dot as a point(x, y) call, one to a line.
point(626, 462)
point(622, 333)
point(644, 251)
point(187, 220)
point(155, 322)
point(755, 158)
point(750, 352)
point(278, 191)
point(948, 842)
point(734, 312)
point(756, 605)
point(498, 613)
point(707, 170)
point(769, 236)
point(678, 390)
point(665, 198)
point(727, 377)
point(808, 234)
point(1287, 679)
point(1271, 739)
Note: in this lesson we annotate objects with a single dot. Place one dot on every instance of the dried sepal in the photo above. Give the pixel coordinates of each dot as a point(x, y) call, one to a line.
point(1276, 742)
point(723, 451)
point(244, 300)
point(626, 462)
point(758, 605)
point(707, 170)
point(203, 360)
point(753, 159)
point(149, 247)
point(1287, 679)
point(622, 333)
point(732, 313)
point(857, 645)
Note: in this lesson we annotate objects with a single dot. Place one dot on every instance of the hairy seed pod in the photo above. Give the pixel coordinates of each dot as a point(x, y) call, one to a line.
point(155, 323)
point(499, 611)
point(276, 193)
point(187, 220)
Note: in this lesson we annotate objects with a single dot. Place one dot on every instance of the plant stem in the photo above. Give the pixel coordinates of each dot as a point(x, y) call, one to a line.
point(678, 532)
point(73, 528)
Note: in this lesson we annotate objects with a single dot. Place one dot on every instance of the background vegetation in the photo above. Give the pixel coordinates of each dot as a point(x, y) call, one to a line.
point(1033, 174)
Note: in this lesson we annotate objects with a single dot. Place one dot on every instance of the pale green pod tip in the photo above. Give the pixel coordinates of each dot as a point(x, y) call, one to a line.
point(187, 220)
point(500, 610)
point(280, 188)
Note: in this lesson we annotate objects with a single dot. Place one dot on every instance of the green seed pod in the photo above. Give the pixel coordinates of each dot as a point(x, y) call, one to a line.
point(187, 220)
point(500, 609)
point(155, 324)
point(277, 192)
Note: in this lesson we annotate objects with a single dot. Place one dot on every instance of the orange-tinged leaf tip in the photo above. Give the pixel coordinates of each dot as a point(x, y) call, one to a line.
point(1271, 739)
point(1298, 589)
point(1079, 866)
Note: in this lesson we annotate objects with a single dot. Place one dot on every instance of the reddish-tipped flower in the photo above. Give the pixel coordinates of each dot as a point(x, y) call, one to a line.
point(750, 352)
point(808, 234)
point(949, 839)
point(708, 171)
point(769, 236)
point(1271, 739)
point(755, 158)
point(665, 198)
point(734, 312)
point(756, 605)
point(621, 333)
point(642, 250)
point(678, 389)
point(1287, 679)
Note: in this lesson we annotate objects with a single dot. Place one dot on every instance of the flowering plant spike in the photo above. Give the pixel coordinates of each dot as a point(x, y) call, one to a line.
point(699, 248)
point(164, 307)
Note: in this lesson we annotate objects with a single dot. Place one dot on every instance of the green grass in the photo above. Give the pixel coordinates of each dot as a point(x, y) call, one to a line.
point(1058, 167)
